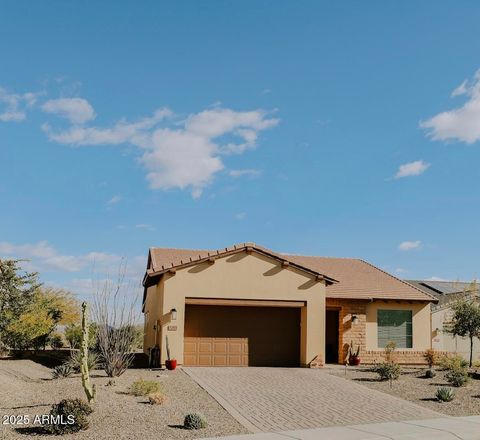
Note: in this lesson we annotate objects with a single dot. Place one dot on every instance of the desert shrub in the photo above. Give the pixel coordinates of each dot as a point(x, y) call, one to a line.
point(430, 373)
point(63, 370)
point(476, 364)
point(156, 398)
point(445, 394)
point(71, 410)
point(75, 360)
point(450, 362)
point(145, 387)
point(388, 370)
point(195, 421)
point(55, 341)
point(390, 351)
point(431, 357)
point(457, 377)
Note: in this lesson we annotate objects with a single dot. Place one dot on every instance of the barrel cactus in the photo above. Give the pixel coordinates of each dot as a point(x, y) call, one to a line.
point(194, 421)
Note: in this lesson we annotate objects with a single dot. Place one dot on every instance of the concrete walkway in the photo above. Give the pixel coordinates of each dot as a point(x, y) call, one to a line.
point(445, 428)
point(289, 399)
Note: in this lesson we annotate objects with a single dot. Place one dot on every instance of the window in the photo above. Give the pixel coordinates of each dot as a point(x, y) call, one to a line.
point(396, 326)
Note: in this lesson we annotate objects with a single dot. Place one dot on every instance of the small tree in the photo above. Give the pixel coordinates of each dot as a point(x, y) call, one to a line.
point(465, 321)
point(17, 289)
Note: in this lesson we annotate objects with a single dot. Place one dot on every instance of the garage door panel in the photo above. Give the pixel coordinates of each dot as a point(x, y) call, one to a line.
point(241, 336)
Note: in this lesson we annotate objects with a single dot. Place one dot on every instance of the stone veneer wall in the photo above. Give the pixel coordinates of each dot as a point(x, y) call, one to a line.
point(356, 333)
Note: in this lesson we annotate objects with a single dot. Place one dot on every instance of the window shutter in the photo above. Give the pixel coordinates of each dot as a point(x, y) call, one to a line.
point(396, 326)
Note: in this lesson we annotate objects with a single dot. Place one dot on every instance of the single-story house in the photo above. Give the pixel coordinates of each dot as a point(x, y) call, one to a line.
point(447, 292)
point(246, 305)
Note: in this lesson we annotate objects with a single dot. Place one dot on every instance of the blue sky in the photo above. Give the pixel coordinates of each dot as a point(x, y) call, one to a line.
point(323, 128)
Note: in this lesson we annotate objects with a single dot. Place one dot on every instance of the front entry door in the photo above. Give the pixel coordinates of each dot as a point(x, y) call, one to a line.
point(331, 337)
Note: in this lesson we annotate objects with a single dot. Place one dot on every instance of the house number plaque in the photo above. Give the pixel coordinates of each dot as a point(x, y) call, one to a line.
point(172, 328)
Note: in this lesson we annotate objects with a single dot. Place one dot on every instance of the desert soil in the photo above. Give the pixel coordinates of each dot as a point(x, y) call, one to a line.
point(412, 385)
point(27, 388)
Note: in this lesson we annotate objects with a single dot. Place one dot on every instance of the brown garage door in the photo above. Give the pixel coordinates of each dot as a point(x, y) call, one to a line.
point(241, 336)
point(216, 352)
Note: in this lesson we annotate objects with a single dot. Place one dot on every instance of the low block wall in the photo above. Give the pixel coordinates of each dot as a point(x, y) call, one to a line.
point(404, 357)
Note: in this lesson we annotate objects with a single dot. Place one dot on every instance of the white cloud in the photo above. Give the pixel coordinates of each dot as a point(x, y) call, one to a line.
point(460, 90)
point(412, 169)
point(14, 105)
point(145, 226)
point(435, 279)
point(245, 172)
point(462, 123)
point(45, 257)
point(400, 270)
point(185, 154)
point(76, 110)
point(240, 215)
point(114, 200)
point(409, 245)
point(122, 132)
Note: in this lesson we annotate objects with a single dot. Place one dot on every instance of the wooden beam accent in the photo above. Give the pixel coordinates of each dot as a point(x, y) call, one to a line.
point(285, 264)
point(211, 261)
point(243, 302)
point(172, 271)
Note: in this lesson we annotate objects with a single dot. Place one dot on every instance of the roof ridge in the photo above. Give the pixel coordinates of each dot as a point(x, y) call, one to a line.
point(322, 256)
point(398, 279)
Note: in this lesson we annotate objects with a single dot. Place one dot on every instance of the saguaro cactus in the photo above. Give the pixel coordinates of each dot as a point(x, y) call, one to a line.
point(87, 386)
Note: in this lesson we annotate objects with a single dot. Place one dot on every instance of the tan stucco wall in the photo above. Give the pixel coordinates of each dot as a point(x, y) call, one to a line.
point(239, 276)
point(443, 341)
point(421, 323)
point(364, 332)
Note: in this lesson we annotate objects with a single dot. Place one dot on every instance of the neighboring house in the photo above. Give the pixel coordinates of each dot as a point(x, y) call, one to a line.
point(247, 305)
point(447, 292)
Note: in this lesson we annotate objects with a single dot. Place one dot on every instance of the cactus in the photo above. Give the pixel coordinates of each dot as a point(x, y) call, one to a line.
point(194, 421)
point(168, 347)
point(351, 350)
point(87, 386)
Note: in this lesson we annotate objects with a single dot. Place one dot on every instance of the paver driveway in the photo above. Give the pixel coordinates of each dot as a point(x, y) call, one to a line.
point(282, 399)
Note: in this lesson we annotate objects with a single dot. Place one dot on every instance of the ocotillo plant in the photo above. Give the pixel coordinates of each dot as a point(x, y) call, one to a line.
point(89, 389)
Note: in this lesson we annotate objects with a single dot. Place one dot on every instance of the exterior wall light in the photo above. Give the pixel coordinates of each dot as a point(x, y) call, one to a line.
point(174, 314)
point(354, 319)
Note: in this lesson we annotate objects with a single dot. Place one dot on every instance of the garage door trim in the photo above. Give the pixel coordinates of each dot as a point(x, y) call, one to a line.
point(243, 302)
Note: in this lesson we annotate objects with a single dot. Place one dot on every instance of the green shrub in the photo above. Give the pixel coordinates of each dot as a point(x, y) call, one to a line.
point(70, 410)
point(445, 394)
point(388, 370)
point(450, 362)
point(63, 370)
point(195, 421)
point(75, 360)
point(55, 341)
point(457, 377)
point(145, 387)
point(430, 373)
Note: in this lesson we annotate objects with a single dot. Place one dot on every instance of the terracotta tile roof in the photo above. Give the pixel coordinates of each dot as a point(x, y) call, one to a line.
point(165, 259)
point(356, 278)
point(361, 280)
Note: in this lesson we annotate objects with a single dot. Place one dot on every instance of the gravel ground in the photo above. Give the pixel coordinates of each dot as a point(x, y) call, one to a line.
point(413, 386)
point(27, 388)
